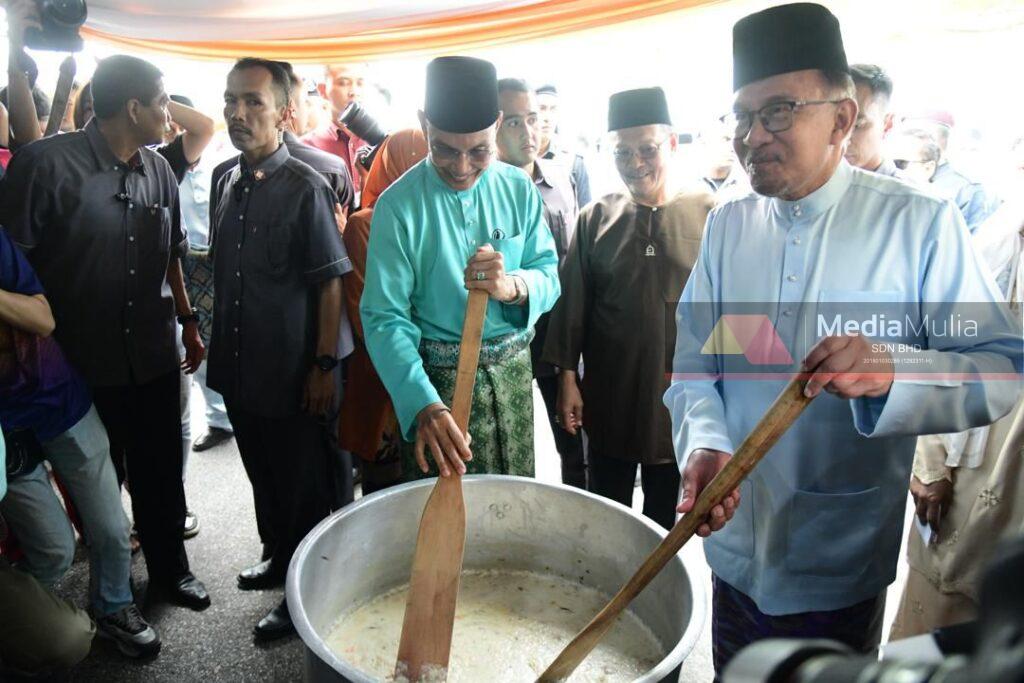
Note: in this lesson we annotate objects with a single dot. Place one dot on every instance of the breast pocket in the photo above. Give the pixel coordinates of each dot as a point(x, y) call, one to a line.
point(832, 534)
point(511, 248)
point(154, 230)
point(277, 249)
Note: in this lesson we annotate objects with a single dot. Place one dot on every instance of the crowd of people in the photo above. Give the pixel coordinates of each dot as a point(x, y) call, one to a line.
point(314, 285)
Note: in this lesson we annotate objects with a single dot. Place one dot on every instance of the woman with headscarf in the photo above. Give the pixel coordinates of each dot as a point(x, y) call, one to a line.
point(367, 426)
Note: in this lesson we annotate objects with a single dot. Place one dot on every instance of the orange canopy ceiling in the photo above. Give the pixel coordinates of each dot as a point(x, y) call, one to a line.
point(465, 26)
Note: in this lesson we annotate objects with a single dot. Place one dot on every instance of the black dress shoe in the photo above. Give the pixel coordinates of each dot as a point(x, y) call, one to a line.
point(277, 624)
point(188, 591)
point(259, 577)
point(213, 437)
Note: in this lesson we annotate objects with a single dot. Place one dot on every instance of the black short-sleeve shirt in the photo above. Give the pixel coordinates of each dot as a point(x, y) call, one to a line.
point(275, 242)
point(100, 234)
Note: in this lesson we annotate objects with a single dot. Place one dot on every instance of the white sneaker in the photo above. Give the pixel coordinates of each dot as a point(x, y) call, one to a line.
point(131, 633)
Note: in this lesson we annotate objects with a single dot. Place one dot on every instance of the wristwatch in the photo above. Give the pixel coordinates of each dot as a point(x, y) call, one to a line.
point(326, 363)
point(192, 317)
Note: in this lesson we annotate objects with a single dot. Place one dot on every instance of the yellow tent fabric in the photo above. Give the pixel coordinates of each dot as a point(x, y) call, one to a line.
point(462, 32)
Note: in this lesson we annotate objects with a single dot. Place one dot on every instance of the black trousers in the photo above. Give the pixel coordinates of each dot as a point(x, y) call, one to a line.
point(737, 622)
point(290, 466)
point(143, 423)
point(613, 478)
point(569, 447)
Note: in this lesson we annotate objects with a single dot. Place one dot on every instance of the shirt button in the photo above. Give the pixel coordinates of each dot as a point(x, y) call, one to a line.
point(238, 273)
point(131, 238)
point(131, 205)
point(130, 304)
point(127, 330)
point(131, 271)
point(236, 302)
point(236, 354)
point(787, 313)
point(791, 278)
point(471, 221)
point(246, 190)
point(796, 210)
point(241, 218)
point(236, 329)
point(796, 240)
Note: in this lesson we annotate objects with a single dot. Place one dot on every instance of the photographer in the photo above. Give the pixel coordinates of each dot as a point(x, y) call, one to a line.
point(343, 85)
point(47, 414)
point(39, 633)
point(27, 122)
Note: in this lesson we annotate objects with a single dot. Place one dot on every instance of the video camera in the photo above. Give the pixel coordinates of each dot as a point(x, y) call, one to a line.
point(989, 650)
point(60, 21)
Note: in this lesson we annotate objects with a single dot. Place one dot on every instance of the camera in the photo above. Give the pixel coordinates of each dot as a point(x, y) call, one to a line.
point(357, 120)
point(60, 21)
point(989, 650)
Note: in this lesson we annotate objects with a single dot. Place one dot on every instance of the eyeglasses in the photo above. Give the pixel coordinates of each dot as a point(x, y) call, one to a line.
point(645, 152)
point(775, 117)
point(446, 154)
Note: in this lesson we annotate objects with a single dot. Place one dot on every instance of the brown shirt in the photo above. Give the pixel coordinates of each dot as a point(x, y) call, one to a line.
point(100, 234)
point(621, 281)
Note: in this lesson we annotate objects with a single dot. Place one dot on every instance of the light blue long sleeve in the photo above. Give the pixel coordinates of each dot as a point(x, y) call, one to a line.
point(820, 521)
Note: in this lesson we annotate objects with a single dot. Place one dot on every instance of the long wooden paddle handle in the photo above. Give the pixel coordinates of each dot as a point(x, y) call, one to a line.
point(782, 413)
point(469, 356)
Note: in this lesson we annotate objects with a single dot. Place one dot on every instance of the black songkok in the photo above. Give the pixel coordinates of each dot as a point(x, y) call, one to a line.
point(783, 39)
point(642, 107)
point(462, 94)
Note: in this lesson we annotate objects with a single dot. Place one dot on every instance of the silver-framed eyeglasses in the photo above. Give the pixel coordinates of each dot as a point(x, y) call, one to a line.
point(775, 117)
point(645, 152)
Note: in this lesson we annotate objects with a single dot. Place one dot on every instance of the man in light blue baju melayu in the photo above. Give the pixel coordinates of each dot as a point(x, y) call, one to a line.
point(875, 287)
point(453, 222)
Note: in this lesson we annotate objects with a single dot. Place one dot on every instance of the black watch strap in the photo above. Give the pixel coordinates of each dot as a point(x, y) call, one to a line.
point(191, 317)
point(326, 363)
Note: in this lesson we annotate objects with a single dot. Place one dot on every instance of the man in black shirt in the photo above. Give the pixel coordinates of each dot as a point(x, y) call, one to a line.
point(277, 265)
point(97, 213)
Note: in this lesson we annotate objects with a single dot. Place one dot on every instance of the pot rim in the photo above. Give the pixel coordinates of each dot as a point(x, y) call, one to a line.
point(315, 644)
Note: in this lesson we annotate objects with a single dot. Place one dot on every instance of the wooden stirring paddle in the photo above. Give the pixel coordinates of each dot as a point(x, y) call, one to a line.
point(782, 413)
point(437, 565)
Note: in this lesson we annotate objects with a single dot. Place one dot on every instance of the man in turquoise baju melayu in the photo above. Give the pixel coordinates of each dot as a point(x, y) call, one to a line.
point(456, 221)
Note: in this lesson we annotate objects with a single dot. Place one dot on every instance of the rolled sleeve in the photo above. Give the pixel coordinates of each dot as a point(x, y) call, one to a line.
point(26, 192)
point(324, 252)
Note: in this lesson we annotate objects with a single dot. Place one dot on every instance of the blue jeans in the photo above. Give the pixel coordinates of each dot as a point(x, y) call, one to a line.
point(81, 458)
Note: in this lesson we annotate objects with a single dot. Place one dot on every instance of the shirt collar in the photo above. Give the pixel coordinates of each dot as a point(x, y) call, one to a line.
point(886, 168)
point(539, 176)
point(268, 166)
point(105, 158)
point(289, 138)
point(435, 179)
point(819, 201)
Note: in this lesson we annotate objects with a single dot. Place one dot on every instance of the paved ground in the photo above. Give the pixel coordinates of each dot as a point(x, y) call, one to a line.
point(216, 645)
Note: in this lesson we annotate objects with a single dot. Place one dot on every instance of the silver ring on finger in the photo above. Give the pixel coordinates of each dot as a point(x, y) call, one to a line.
point(480, 276)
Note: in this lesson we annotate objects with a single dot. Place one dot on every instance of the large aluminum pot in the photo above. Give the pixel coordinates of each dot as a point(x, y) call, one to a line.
point(511, 523)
